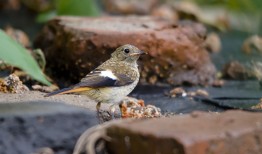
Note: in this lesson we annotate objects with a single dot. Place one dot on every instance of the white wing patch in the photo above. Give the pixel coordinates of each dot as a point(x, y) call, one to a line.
point(108, 73)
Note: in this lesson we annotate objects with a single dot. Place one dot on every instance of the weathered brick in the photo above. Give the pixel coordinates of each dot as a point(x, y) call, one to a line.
point(231, 132)
point(74, 46)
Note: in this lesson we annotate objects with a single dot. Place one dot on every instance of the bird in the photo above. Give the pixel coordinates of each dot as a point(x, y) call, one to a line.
point(112, 81)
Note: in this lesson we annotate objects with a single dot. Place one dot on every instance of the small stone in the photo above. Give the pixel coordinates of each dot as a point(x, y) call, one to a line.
point(213, 43)
point(257, 106)
point(255, 69)
point(178, 92)
point(201, 92)
point(3, 87)
point(218, 83)
point(18, 35)
point(12, 84)
point(165, 12)
point(137, 109)
point(152, 79)
point(129, 7)
point(46, 89)
point(198, 92)
point(252, 43)
point(235, 70)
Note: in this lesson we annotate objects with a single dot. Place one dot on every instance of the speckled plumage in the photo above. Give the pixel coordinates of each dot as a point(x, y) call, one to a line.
point(111, 81)
point(115, 94)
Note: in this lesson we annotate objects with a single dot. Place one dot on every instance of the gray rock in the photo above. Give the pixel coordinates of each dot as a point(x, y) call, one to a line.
point(27, 127)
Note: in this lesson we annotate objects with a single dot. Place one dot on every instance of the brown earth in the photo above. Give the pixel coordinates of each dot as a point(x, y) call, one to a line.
point(70, 99)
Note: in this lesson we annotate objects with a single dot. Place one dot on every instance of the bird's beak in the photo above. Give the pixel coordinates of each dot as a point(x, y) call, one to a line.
point(140, 52)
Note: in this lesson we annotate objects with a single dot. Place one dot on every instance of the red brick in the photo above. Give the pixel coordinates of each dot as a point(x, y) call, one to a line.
point(74, 46)
point(231, 132)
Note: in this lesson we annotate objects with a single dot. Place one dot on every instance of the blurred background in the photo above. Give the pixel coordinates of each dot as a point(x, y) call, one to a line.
point(232, 41)
point(235, 24)
point(221, 14)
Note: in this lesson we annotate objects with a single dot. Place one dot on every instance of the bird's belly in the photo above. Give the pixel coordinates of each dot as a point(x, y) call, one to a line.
point(110, 94)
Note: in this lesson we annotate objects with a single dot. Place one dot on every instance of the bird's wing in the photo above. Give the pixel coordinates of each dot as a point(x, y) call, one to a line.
point(96, 79)
point(104, 78)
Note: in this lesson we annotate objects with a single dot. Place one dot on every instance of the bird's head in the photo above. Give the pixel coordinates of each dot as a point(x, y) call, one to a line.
point(127, 53)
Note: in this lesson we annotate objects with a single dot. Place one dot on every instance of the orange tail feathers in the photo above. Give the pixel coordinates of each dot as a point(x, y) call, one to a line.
point(67, 90)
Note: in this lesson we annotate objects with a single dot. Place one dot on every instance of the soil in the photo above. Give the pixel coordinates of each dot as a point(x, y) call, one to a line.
point(70, 99)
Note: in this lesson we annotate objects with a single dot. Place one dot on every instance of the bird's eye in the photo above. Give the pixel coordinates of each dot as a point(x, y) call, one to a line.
point(126, 50)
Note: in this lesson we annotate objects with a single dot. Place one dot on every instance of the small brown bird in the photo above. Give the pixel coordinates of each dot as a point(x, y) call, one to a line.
point(111, 81)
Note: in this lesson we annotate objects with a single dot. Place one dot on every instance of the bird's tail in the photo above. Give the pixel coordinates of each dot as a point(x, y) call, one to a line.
point(68, 90)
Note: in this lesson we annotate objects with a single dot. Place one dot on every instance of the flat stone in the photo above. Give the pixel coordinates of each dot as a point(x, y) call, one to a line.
point(199, 133)
point(129, 7)
point(75, 45)
point(36, 96)
point(26, 127)
point(236, 71)
point(30, 122)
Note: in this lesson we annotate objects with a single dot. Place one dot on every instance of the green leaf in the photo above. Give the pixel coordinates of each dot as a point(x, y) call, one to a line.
point(77, 7)
point(13, 53)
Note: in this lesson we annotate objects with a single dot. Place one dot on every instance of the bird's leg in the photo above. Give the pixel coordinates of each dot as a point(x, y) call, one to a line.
point(112, 110)
point(121, 106)
point(98, 105)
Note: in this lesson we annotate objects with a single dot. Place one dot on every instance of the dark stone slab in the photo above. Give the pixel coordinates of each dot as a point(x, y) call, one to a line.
point(26, 127)
point(233, 95)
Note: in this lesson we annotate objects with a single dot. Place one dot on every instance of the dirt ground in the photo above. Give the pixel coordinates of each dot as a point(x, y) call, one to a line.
point(70, 99)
